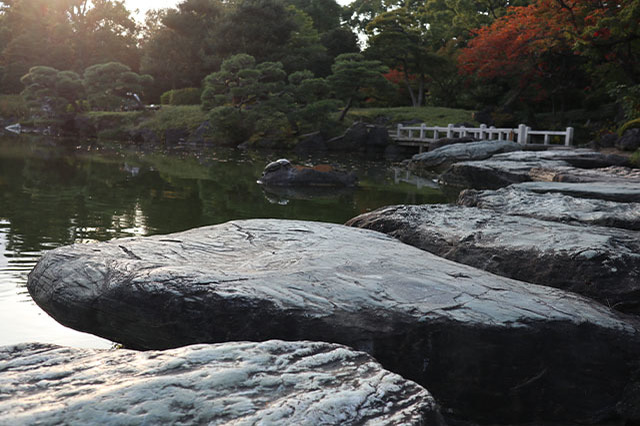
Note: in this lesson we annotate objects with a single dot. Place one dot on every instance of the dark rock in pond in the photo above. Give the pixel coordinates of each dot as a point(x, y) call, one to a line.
point(198, 136)
point(144, 136)
point(625, 192)
point(490, 349)
point(554, 207)
point(286, 383)
point(313, 142)
point(598, 262)
point(354, 139)
point(441, 158)
point(630, 141)
point(283, 173)
point(175, 136)
point(378, 138)
point(608, 140)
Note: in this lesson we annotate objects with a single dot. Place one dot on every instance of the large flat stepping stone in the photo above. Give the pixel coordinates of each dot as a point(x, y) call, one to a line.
point(554, 206)
point(625, 192)
point(598, 262)
point(275, 382)
point(523, 166)
point(488, 348)
point(441, 158)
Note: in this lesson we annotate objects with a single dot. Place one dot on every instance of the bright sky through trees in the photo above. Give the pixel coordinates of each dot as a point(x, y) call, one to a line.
point(144, 5)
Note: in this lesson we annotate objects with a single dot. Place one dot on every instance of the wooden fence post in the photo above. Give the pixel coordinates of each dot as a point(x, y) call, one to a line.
point(450, 130)
point(399, 128)
point(422, 129)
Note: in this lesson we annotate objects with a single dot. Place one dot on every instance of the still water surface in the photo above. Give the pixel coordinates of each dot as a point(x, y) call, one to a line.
point(55, 193)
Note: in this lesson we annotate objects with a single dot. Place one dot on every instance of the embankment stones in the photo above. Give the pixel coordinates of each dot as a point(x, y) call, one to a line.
point(488, 348)
point(274, 382)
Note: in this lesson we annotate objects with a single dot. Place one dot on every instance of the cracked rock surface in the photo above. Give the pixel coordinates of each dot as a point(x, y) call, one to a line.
point(443, 157)
point(275, 382)
point(524, 166)
point(598, 262)
point(554, 206)
point(625, 192)
point(489, 348)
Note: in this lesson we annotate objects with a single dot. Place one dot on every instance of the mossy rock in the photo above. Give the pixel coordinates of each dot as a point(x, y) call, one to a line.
point(633, 124)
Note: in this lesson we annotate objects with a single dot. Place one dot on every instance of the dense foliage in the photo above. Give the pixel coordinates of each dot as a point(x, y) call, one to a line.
point(281, 67)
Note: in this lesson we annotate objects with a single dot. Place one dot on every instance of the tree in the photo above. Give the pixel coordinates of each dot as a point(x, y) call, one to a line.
point(65, 34)
point(243, 97)
point(353, 75)
point(53, 92)
point(113, 85)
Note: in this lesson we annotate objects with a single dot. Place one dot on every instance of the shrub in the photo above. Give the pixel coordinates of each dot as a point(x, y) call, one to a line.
point(633, 124)
point(635, 158)
point(13, 106)
point(186, 96)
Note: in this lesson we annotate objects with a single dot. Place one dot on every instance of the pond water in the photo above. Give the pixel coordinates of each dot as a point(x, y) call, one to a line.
point(55, 193)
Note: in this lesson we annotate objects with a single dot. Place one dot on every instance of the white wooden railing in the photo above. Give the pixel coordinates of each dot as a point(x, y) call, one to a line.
point(423, 134)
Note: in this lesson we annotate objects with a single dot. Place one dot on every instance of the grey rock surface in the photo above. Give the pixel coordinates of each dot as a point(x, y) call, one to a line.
point(443, 157)
point(523, 166)
point(494, 174)
point(598, 262)
point(612, 175)
point(488, 348)
point(625, 192)
point(274, 382)
point(555, 207)
point(581, 158)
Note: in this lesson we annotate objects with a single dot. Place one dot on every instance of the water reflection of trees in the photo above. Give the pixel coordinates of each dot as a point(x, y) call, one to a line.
point(54, 194)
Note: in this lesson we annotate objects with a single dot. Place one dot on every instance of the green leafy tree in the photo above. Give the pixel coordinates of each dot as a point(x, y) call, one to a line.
point(54, 93)
point(64, 34)
point(113, 85)
point(243, 97)
point(355, 78)
point(310, 107)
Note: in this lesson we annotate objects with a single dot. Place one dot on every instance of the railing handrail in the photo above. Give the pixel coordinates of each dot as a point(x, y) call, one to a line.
point(522, 133)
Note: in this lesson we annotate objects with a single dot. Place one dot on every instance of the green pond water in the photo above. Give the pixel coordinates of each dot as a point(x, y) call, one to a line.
point(58, 192)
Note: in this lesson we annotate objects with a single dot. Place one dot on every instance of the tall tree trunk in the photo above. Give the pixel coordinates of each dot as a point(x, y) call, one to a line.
point(346, 108)
point(410, 90)
point(421, 91)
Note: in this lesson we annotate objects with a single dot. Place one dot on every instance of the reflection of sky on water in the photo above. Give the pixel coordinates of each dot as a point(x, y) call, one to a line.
point(21, 320)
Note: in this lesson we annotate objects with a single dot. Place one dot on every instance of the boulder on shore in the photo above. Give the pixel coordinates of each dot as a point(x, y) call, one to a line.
point(555, 207)
point(294, 383)
point(490, 349)
point(601, 263)
point(283, 173)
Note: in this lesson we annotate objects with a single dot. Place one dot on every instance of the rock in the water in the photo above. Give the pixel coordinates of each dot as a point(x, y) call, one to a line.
point(441, 158)
point(555, 207)
point(581, 158)
point(493, 174)
point(601, 263)
point(523, 166)
point(275, 382)
point(625, 192)
point(612, 175)
point(283, 173)
point(488, 348)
